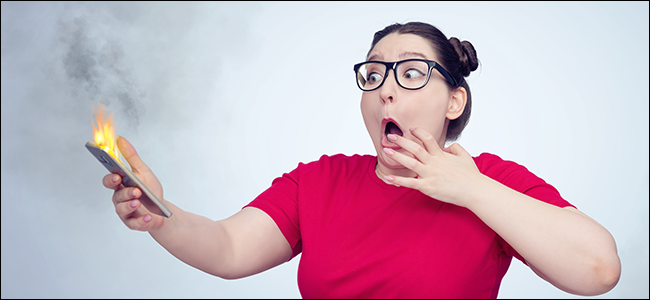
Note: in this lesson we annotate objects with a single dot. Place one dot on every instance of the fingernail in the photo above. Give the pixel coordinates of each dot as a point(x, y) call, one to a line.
point(134, 193)
point(392, 137)
point(114, 178)
point(389, 178)
point(390, 152)
point(147, 218)
point(411, 129)
point(134, 203)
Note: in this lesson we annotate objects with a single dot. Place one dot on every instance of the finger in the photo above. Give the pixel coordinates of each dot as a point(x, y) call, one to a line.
point(112, 181)
point(429, 141)
point(412, 147)
point(126, 208)
point(126, 194)
point(406, 161)
point(131, 156)
point(402, 181)
point(141, 219)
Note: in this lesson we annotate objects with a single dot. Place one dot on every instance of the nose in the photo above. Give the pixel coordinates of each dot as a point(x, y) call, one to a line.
point(388, 90)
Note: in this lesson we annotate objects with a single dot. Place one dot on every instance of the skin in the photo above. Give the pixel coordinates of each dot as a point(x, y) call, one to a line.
point(561, 245)
point(429, 108)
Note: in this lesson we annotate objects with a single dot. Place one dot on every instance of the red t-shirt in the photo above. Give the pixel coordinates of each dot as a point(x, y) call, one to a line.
point(363, 238)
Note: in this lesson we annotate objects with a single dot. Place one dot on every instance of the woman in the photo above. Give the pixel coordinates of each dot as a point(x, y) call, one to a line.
point(418, 220)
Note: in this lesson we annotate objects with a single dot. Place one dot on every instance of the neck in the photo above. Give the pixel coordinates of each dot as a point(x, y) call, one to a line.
point(382, 171)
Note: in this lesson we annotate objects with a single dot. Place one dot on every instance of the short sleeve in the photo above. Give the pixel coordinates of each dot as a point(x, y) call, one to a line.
point(280, 202)
point(518, 178)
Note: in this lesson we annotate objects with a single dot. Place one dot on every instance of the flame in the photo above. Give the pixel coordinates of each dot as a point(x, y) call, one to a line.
point(104, 131)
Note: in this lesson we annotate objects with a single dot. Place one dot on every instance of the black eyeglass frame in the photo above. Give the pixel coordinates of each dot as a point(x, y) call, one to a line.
point(393, 66)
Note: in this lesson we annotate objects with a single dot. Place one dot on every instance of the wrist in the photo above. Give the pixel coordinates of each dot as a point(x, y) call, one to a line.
point(162, 224)
point(477, 191)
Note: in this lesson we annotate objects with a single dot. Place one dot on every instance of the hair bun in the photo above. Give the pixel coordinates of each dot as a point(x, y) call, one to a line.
point(466, 55)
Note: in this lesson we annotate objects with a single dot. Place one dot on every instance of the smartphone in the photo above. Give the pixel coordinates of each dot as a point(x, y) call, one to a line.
point(128, 178)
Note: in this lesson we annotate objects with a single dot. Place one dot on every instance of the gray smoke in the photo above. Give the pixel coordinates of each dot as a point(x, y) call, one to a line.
point(58, 60)
point(154, 66)
point(94, 65)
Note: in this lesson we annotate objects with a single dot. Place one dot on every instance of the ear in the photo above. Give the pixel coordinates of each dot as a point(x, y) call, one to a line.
point(457, 101)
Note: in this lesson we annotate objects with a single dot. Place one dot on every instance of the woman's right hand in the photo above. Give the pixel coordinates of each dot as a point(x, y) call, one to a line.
point(136, 210)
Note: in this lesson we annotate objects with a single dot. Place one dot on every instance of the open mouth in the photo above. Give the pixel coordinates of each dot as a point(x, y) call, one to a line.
point(391, 127)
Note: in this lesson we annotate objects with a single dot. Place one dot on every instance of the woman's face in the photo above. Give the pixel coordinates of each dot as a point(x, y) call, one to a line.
point(427, 108)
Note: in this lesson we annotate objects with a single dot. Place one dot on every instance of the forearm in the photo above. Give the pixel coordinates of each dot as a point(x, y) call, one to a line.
point(196, 240)
point(570, 250)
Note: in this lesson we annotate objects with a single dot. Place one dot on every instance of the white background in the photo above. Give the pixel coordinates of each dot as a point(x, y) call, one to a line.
point(221, 98)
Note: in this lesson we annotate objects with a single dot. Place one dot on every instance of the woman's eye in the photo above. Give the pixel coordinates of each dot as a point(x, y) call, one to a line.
point(412, 74)
point(374, 78)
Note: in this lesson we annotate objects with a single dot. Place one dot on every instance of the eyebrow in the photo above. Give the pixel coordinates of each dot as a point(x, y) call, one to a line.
point(402, 55)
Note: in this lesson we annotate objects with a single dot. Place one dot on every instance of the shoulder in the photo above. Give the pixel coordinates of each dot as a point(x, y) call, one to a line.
point(518, 178)
point(493, 165)
point(505, 171)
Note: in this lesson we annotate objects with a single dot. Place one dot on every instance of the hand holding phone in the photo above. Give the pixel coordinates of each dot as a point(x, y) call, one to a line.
point(131, 179)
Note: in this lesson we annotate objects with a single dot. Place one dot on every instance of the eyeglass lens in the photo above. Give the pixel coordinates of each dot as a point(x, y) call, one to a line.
point(410, 74)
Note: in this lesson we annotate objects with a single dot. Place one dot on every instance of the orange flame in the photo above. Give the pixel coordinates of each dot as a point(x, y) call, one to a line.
point(104, 132)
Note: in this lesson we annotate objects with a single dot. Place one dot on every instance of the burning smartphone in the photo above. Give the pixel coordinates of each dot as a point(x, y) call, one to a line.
point(104, 149)
point(129, 179)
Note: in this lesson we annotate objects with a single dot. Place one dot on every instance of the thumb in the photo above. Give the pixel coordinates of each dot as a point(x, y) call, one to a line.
point(131, 156)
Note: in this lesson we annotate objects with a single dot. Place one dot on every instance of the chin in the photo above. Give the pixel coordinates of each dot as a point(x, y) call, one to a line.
point(388, 162)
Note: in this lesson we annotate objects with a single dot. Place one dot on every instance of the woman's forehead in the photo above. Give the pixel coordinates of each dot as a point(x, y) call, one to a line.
point(395, 47)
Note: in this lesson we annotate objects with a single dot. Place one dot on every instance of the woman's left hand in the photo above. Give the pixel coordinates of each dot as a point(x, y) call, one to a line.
point(447, 174)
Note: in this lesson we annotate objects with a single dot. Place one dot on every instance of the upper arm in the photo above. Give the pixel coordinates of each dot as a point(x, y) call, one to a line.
point(257, 244)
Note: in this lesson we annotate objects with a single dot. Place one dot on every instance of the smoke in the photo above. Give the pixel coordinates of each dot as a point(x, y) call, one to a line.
point(93, 61)
point(156, 67)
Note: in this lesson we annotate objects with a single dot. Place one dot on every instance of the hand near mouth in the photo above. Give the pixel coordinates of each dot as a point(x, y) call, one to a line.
point(447, 174)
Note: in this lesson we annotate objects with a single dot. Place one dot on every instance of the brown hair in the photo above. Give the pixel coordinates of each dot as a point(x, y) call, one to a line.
point(458, 58)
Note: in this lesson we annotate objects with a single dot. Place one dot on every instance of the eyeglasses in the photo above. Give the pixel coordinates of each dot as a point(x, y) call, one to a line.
point(411, 74)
